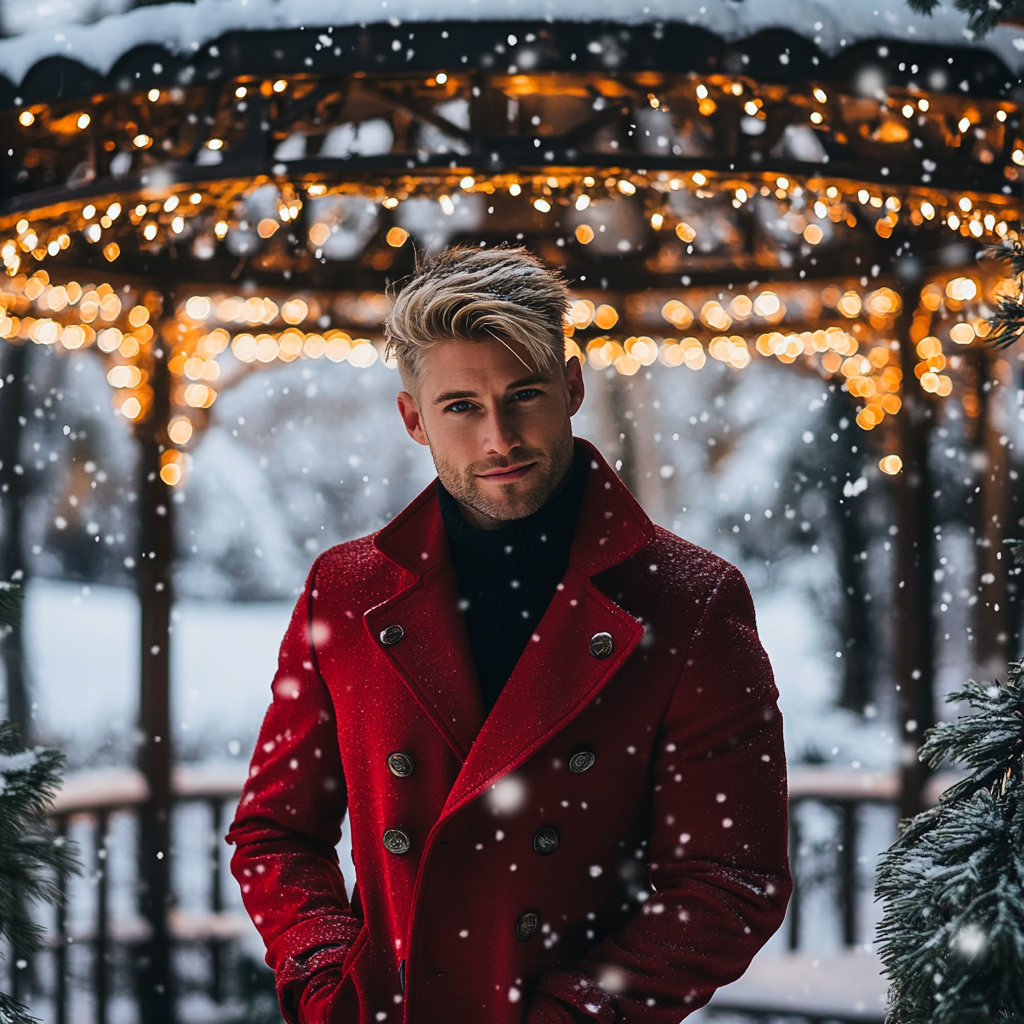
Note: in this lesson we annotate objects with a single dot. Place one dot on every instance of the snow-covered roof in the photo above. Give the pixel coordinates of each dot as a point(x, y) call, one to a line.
point(183, 28)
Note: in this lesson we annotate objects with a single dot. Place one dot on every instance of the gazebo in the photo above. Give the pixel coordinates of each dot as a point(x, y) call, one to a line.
point(191, 192)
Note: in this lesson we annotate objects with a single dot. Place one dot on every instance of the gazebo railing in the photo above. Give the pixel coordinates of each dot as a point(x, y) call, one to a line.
point(846, 793)
point(100, 913)
point(99, 910)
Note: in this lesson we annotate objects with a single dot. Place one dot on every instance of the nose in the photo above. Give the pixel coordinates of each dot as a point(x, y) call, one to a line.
point(500, 434)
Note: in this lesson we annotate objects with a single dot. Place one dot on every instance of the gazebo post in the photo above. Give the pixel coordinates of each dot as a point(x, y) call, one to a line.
point(155, 583)
point(12, 554)
point(914, 566)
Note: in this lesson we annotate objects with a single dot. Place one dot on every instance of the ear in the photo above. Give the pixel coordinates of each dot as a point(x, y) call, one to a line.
point(574, 384)
point(410, 413)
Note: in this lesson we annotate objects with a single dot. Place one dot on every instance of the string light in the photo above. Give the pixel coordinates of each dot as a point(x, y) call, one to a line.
point(850, 341)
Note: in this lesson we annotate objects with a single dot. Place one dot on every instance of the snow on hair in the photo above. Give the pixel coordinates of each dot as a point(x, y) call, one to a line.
point(503, 294)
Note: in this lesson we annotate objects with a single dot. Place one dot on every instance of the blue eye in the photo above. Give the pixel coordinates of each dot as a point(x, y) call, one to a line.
point(526, 393)
point(458, 407)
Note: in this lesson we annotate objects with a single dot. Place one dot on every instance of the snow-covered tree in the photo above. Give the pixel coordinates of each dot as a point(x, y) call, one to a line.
point(1007, 322)
point(952, 935)
point(10, 606)
point(983, 15)
point(33, 858)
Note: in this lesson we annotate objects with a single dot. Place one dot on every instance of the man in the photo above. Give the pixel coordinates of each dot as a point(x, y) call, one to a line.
point(551, 723)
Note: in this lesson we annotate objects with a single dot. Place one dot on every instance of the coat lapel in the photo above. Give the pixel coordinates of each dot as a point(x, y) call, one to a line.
point(554, 680)
point(556, 676)
point(433, 657)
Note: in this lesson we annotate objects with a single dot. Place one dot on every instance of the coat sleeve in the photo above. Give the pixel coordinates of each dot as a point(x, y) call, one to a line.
point(718, 865)
point(288, 824)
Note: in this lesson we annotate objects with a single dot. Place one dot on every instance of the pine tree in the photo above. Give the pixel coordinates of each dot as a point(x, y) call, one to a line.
point(983, 15)
point(952, 934)
point(34, 860)
point(10, 606)
point(1007, 322)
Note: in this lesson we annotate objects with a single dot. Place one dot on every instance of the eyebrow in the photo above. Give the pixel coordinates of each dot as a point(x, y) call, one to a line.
point(455, 396)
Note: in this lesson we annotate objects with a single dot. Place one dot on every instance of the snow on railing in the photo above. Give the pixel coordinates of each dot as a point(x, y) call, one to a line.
point(99, 917)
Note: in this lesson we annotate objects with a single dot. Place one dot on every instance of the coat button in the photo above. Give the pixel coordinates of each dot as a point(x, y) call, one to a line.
point(582, 762)
point(527, 924)
point(601, 645)
point(400, 764)
point(396, 841)
point(546, 840)
point(390, 636)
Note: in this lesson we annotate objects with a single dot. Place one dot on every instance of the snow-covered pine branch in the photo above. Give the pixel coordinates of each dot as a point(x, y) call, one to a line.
point(952, 934)
point(34, 860)
point(10, 605)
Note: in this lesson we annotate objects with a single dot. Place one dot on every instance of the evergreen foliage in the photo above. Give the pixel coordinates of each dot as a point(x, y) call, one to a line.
point(952, 935)
point(33, 858)
point(256, 995)
point(1007, 323)
point(983, 15)
point(10, 606)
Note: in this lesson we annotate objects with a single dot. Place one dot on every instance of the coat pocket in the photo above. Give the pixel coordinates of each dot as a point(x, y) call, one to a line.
point(332, 995)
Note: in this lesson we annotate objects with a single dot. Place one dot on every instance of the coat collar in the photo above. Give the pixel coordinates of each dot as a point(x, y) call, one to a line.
point(555, 678)
point(612, 526)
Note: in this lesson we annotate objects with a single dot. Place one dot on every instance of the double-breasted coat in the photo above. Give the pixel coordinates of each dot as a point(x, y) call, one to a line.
point(608, 844)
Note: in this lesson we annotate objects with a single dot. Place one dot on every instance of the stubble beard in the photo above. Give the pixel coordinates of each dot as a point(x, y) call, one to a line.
point(513, 500)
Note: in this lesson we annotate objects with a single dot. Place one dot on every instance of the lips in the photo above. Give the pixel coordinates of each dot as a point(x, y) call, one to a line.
point(507, 475)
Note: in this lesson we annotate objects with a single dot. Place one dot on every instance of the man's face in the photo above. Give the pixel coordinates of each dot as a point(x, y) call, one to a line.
point(497, 427)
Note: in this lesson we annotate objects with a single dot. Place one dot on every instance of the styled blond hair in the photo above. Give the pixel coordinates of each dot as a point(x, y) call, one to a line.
point(503, 294)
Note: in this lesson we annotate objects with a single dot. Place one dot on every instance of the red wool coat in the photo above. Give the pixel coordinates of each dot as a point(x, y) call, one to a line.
point(608, 844)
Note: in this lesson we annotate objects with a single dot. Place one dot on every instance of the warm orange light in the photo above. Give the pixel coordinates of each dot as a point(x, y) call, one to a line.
point(685, 232)
point(581, 313)
point(198, 307)
point(294, 311)
point(605, 317)
point(715, 316)
point(363, 353)
point(138, 315)
point(131, 408)
point(396, 237)
point(677, 313)
point(962, 333)
point(179, 430)
point(319, 233)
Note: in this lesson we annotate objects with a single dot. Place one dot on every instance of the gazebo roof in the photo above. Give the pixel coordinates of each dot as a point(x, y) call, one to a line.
point(241, 162)
point(43, 65)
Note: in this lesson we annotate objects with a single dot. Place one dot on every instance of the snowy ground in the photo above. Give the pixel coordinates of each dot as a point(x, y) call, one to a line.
point(83, 652)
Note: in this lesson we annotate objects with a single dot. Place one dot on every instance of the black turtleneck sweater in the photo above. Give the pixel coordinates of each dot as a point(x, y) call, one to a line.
point(508, 576)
